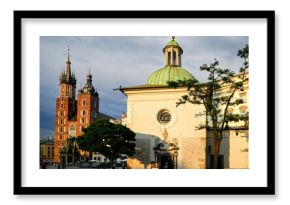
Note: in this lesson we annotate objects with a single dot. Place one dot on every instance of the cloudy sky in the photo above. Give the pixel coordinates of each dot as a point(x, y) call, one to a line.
point(121, 61)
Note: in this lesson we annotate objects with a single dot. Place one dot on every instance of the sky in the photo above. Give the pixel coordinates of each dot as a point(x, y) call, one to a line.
point(116, 61)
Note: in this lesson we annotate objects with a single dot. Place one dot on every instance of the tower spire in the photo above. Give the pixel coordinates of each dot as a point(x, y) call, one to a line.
point(68, 68)
point(68, 50)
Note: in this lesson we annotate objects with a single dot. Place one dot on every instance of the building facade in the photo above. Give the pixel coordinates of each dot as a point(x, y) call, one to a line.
point(46, 152)
point(73, 113)
point(166, 134)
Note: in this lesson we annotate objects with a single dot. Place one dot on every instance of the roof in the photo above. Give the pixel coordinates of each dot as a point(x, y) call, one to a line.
point(173, 43)
point(168, 73)
point(104, 116)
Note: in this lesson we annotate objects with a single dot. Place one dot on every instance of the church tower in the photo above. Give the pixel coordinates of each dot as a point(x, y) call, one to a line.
point(88, 105)
point(65, 108)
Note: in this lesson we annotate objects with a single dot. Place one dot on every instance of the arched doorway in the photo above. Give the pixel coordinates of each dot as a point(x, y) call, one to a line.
point(165, 161)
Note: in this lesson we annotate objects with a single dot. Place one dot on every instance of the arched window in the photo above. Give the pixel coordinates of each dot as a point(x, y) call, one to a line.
point(83, 102)
point(169, 57)
point(72, 127)
point(174, 57)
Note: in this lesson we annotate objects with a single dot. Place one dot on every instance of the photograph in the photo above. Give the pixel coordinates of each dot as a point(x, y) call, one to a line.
point(144, 102)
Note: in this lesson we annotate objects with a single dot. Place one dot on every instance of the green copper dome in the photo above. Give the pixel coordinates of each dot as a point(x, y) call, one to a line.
point(172, 43)
point(168, 73)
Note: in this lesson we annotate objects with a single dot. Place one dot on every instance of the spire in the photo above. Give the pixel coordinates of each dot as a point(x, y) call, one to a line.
point(68, 68)
point(89, 78)
point(67, 76)
point(88, 87)
point(68, 60)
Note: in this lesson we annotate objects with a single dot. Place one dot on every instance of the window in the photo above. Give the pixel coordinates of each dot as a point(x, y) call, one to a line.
point(61, 121)
point(61, 113)
point(60, 137)
point(61, 105)
point(72, 127)
point(169, 58)
point(83, 102)
point(60, 129)
point(174, 57)
point(164, 116)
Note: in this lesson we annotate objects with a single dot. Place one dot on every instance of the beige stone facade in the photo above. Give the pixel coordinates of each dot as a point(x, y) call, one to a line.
point(167, 134)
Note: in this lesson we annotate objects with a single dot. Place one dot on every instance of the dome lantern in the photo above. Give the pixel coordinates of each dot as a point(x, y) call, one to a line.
point(172, 70)
point(172, 53)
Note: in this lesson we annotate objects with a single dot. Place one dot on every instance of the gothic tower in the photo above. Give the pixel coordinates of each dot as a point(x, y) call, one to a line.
point(65, 108)
point(88, 105)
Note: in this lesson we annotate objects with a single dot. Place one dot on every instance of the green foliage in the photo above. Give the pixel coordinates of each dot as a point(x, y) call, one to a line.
point(207, 94)
point(108, 139)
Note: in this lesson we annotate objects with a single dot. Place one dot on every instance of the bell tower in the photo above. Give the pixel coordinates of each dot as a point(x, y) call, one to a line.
point(172, 53)
point(88, 105)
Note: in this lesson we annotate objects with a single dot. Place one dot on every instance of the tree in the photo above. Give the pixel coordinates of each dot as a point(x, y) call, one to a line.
point(108, 139)
point(216, 106)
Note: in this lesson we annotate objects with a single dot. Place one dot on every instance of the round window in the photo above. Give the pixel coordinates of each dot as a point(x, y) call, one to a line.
point(164, 116)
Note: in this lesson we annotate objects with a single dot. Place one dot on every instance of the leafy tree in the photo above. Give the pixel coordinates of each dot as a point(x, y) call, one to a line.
point(216, 106)
point(108, 139)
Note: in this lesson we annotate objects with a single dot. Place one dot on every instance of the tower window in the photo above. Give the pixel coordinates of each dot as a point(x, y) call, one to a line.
point(174, 58)
point(60, 129)
point(83, 102)
point(169, 57)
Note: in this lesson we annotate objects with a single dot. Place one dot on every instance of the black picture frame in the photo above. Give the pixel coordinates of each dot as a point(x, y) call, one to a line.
point(268, 190)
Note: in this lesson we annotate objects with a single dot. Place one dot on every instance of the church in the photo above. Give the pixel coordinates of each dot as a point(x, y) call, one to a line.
point(166, 135)
point(73, 113)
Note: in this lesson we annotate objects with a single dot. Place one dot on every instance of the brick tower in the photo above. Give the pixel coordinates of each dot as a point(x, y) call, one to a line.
point(72, 115)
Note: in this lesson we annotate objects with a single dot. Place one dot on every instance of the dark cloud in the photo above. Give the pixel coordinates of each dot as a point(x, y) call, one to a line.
point(122, 61)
